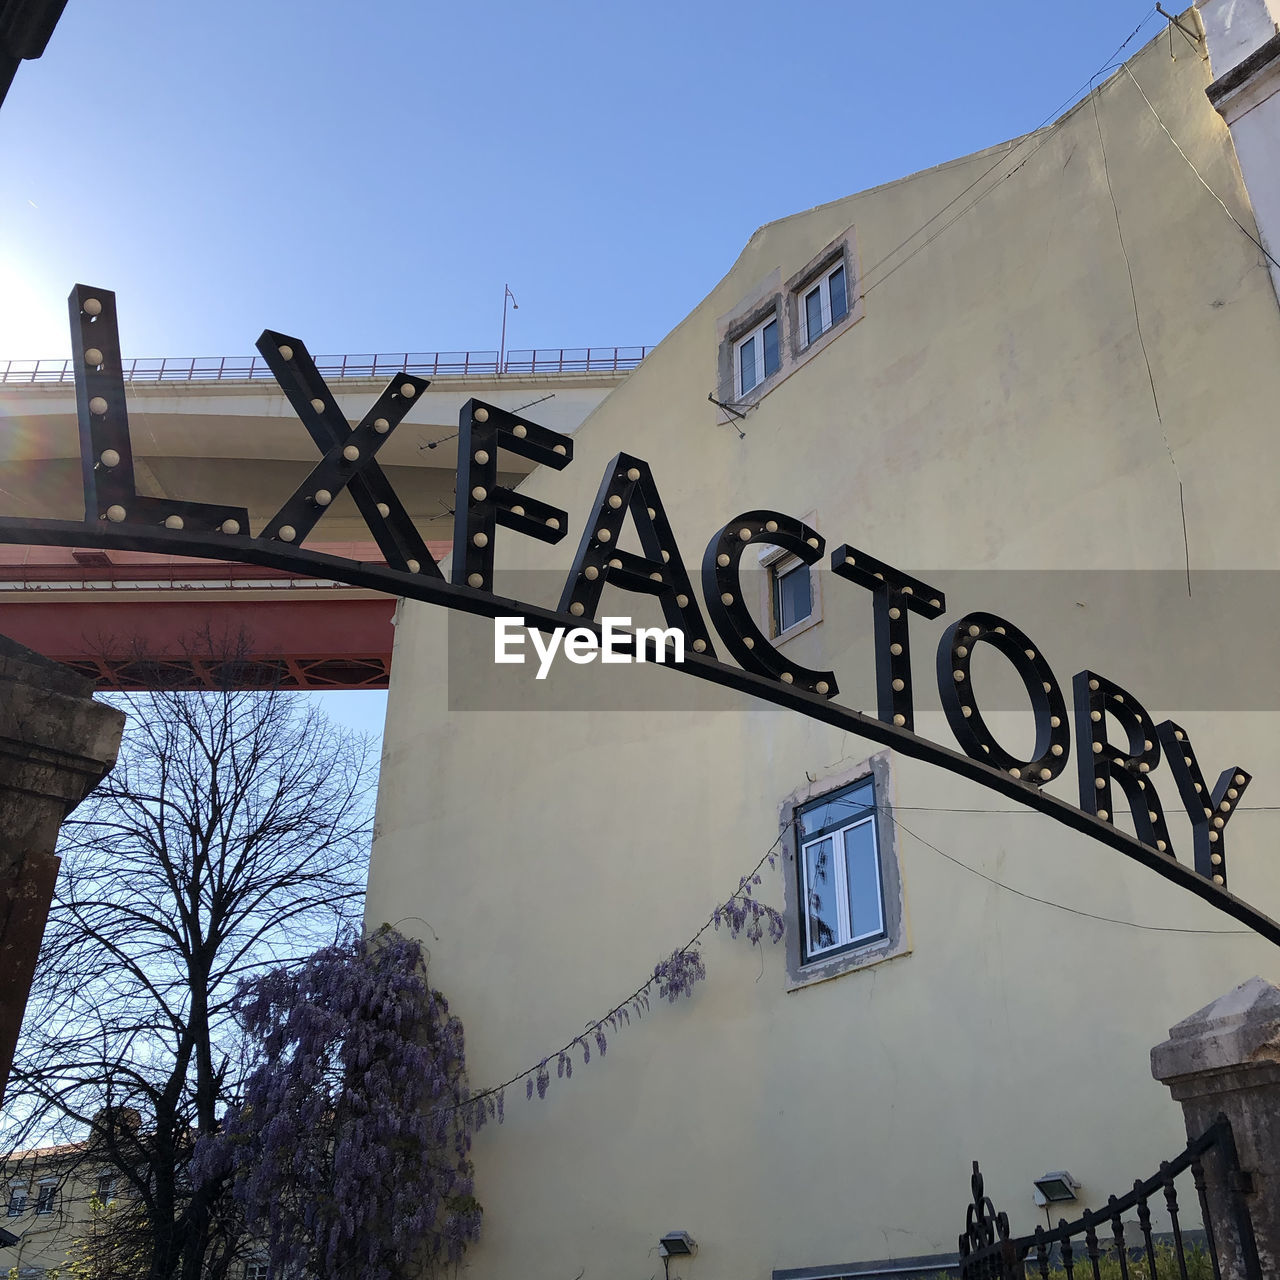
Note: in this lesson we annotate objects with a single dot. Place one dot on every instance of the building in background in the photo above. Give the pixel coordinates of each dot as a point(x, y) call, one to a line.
point(1042, 378)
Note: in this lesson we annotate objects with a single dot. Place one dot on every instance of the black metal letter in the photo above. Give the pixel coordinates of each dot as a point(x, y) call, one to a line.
point(628, 486)
point(722, 587)
point(348, 456)
point(106, 457)
point(955, 686)
point(894, 594)
point(482, 504)
point(1098, 763)
point(1209, 811)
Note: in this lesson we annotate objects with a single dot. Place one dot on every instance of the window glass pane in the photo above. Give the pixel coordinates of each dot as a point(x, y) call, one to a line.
point(863, 870)
point(769, 336)
point(793, 597)
point(747, 364)
point(820, 896)
point(838, 810)
point(839, 295)
point(813, 314)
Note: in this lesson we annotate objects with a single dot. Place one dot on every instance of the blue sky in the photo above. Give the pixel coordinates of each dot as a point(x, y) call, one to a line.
point(371, 178)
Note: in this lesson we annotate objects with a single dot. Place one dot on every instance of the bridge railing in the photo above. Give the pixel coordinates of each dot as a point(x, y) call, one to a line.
point(426, 364)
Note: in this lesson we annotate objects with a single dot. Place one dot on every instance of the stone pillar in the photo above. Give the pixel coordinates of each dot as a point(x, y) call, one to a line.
point(56, 745)
point(1225, 1059)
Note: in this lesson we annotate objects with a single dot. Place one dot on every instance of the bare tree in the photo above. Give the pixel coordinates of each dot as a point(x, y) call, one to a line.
point(232, 835)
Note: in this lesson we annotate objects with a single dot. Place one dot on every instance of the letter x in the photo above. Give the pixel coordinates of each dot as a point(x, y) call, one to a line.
point(348, 460)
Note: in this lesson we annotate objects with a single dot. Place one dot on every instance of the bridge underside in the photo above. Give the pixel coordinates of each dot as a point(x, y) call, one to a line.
point(132, 622)
point(288, 644)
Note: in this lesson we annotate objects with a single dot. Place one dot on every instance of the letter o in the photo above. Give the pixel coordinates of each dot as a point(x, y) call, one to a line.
point(1048, 705)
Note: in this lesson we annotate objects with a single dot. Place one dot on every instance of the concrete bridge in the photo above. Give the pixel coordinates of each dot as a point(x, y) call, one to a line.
point(220, 430)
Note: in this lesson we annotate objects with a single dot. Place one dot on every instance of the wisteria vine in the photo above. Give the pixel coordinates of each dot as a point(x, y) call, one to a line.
point(742, 915)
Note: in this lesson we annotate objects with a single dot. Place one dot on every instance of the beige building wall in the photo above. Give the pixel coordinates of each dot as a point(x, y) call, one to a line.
point(48, 1201)
point(989, 409)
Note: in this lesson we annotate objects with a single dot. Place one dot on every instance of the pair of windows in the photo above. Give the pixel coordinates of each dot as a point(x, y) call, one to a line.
point(820, 304)
point(257, 1271)
point(46, 1199)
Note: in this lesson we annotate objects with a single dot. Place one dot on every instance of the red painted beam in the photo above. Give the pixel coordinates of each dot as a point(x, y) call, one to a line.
point(134, 644)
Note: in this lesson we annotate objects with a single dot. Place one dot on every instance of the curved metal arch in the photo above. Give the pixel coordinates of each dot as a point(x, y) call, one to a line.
point(435, 590)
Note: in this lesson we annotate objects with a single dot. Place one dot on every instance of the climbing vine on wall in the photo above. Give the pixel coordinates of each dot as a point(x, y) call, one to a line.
point(742, 914)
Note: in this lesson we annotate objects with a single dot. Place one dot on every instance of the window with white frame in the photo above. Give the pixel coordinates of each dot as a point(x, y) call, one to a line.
point(823, 303)
point(17, 1201)
point(791, 594)
point(841, 887)
point(756, 356)
point(257, 1270)
point(47, 1198)
point(106, 1188)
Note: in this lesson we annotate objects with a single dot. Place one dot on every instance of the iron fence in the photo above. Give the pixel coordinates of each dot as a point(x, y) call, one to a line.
point(1082, 1248)
point(425, 364)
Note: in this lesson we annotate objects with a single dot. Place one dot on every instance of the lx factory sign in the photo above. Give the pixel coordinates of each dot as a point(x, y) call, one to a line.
point(1108, 773)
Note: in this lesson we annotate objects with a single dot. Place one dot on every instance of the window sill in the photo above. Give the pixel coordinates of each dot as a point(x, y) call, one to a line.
point(847, 962)
point(798, 629)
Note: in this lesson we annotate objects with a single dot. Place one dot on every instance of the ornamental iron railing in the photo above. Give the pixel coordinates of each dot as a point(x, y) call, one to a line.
point(1102, 1239)
point(425, 364)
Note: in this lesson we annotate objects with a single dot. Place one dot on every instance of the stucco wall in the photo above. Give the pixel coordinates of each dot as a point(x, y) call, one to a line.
point(990, 410)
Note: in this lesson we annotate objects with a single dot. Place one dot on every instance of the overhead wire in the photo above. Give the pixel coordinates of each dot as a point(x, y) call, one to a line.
point(1048, 902)
point(1203, 181)
point(1142, 342)
point(888, 812)
point(620, 1009)
point(1041, 138)
point(1002, 159)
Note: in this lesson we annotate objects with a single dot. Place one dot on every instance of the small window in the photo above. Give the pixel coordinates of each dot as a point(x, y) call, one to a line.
point(257, 1271)
point(839, 868)
point(47, 1198)
point(756, 356)
point(791, 587)
point(17, 1201)
point(106, 1187)
point(822, 304)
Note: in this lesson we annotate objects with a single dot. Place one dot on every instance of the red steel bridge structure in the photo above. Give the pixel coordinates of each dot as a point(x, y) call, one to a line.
point(131, 620)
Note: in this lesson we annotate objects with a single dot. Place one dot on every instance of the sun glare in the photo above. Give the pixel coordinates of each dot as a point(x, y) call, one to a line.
point(33, 315)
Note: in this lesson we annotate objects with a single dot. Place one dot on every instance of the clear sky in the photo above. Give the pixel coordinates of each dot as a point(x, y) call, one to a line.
point(369, 177)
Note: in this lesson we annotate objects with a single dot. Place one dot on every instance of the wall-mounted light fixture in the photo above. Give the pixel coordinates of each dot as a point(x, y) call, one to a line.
point(677, 1244)
point(1054, 1188)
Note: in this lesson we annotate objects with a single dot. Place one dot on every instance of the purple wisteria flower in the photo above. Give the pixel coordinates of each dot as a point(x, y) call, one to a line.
point(350, 1149)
